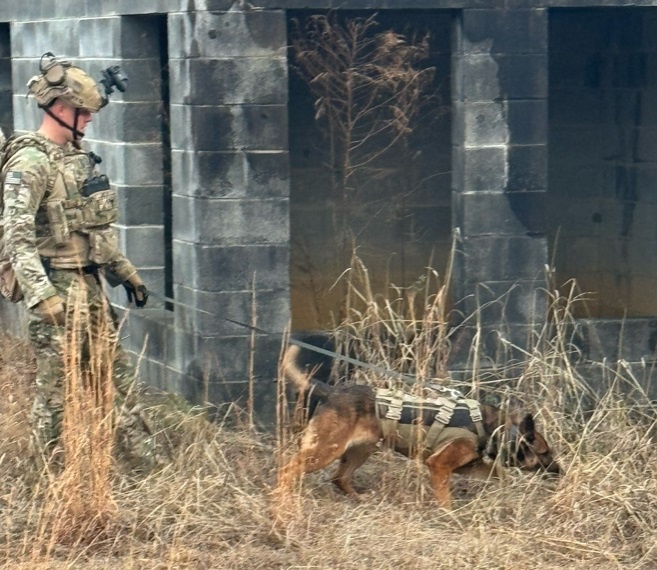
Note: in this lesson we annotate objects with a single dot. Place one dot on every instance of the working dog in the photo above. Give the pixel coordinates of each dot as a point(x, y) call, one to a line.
point(343, 424)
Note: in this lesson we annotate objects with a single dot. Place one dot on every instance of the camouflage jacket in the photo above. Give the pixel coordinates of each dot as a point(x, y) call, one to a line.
point(42, 182)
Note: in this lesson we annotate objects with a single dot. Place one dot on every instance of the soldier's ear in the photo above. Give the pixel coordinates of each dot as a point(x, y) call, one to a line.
point(57, 107)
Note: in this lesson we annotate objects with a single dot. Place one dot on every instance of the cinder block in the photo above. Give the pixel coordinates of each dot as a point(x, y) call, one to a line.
point(527, 121)
point(479, 78)
point(571, 105)
point(493, 258)
point(484, 169)
point(493, 213)
point(61, 36)
point(27, 116)
point(505, 31)
point(227, 34)
point(580, 252)
point(563, 176)
point(214, 381)
point(527, 168)
point(485, 124)
point(242, 80)
point(22, 70)
point(588, 144)
point(641, 259)
point(144, 245)
point(499, 347)
point(231, 174)
point(147, 6)
point(230, 268)
point(647, 138)
point(126, 122)
point(231, 222)
point(272, 310)
point(217, 128)
point(149, 331)
point(99, 37)
point(612, 339)
point(141, 205)
point(224, 350)
point(131, 164)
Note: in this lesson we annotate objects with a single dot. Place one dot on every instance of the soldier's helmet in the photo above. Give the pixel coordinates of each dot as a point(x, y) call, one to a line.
point(60, 79)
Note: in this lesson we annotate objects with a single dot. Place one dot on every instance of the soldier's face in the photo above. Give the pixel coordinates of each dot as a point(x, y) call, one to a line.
point(67, 114)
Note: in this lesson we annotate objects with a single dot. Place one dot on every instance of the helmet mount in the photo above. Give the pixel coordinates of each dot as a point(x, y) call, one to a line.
point(60, 80)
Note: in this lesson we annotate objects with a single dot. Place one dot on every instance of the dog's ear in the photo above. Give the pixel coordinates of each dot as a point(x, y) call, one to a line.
point(527, 428)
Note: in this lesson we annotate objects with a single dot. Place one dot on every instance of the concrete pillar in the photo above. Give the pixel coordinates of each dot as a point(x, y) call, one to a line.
point(231, 187)
point(499, 98)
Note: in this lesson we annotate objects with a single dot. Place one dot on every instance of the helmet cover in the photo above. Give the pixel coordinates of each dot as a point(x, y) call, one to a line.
point(59, 79)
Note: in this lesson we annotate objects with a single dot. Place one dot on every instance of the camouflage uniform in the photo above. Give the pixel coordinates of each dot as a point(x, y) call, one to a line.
point(58, 240)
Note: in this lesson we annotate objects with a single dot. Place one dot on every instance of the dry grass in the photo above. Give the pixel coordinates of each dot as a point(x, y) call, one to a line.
point(211, 507)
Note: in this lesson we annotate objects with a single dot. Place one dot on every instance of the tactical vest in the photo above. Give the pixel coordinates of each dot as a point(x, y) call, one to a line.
point(73, 229)
point(417, 425)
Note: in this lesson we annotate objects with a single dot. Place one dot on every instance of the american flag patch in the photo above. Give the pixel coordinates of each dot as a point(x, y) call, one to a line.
point(13, 177)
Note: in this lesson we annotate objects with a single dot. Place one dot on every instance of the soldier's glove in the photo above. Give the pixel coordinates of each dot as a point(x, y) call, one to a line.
point(136, 291)
point(52, 311)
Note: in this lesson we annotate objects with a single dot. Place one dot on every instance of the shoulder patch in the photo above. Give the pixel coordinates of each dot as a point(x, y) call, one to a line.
point(13, 177)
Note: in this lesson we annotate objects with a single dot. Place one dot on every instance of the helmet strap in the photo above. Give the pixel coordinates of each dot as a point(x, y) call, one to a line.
point(77, 135)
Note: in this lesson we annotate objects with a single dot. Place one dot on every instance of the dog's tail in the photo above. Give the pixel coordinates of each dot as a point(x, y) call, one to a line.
point(302, 381)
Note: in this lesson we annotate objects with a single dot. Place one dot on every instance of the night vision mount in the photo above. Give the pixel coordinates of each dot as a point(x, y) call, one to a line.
point(113, 77)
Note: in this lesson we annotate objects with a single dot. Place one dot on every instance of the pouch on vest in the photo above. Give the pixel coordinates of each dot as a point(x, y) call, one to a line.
point(59, 228)
point(99, 209)
point(103, 244)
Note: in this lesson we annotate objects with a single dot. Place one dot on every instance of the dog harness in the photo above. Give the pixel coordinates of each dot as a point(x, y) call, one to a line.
point(422, 423)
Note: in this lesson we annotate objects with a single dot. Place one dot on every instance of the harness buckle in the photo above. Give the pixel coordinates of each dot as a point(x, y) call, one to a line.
point(394, 409)
point(445, 411)
point(475, 410)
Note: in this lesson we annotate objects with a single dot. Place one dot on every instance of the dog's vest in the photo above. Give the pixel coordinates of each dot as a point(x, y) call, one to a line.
point(422, 423)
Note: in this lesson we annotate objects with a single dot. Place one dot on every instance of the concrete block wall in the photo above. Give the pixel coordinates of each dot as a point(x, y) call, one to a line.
point(500, 168)
point(230, 166)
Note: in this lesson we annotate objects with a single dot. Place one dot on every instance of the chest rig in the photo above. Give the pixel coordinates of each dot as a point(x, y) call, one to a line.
point(419, 424)
point(73, 222)
point(81, 204)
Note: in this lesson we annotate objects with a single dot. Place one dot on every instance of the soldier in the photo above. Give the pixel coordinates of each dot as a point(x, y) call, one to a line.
point(56, 218)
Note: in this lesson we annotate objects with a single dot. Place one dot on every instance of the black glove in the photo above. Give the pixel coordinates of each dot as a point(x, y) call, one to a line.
point(138, 294)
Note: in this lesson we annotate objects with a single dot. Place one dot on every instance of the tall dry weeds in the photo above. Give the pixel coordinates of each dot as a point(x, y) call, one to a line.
point(210, 506)
point(79, 506)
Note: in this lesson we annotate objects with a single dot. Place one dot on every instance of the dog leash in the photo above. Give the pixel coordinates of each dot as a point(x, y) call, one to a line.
point(407, 378)
point(384, 371)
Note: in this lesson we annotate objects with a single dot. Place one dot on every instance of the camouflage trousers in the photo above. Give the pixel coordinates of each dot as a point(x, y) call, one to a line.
point(85, 355)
